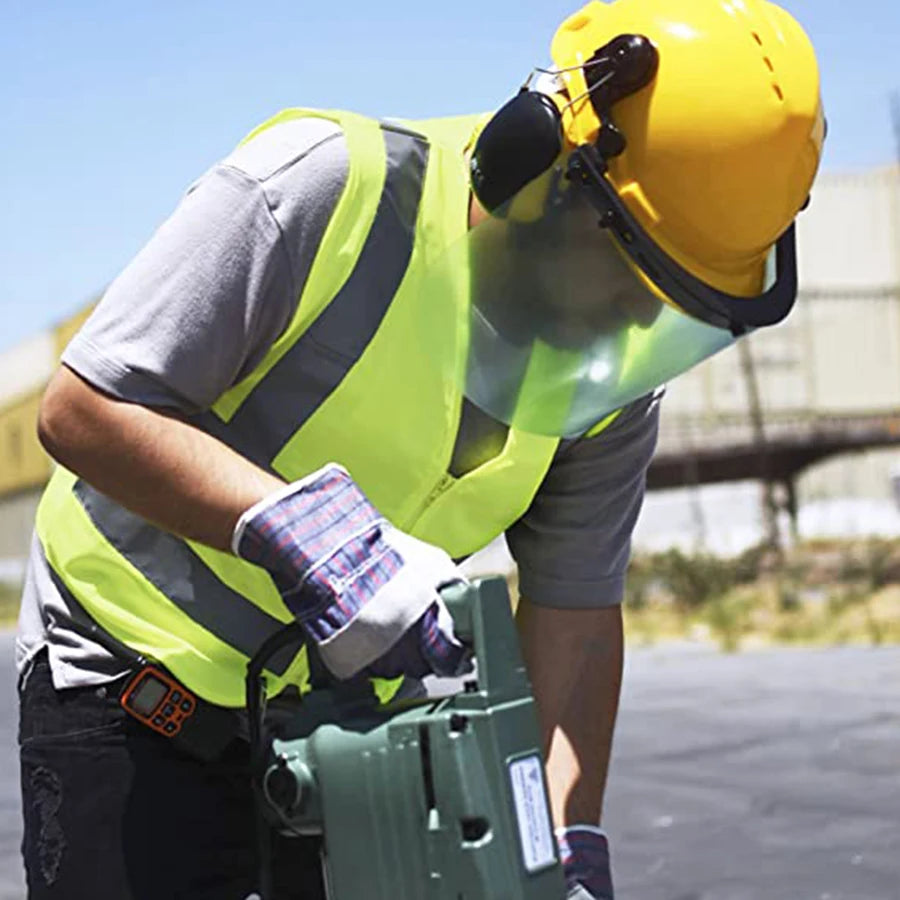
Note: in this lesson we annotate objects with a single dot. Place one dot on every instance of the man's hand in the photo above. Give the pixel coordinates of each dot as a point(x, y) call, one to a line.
point(365, 592)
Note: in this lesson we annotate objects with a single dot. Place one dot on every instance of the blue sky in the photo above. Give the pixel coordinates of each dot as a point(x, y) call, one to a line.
point(110, 109)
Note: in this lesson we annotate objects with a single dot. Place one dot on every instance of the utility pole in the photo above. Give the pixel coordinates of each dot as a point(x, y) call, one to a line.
point(769, 503)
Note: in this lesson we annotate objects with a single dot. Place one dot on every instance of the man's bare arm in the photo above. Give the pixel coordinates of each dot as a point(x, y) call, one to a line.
point(574, 660)
point(152, 462)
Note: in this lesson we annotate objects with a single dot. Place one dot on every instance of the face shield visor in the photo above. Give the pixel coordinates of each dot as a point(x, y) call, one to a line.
point(559, 330)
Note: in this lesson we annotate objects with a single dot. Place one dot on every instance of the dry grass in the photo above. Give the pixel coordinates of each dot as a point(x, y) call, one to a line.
point(821, 594)
point(10, 594)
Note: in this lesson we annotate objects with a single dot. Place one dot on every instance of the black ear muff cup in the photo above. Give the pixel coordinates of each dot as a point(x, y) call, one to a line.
point(522, 141)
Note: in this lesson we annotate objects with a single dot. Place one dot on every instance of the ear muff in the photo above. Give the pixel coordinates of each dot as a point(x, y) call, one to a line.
point(521, 142)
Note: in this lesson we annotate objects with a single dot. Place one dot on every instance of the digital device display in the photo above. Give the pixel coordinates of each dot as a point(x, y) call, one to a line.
point(145, 698)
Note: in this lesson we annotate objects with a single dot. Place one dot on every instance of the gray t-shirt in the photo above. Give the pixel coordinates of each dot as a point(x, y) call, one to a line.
point(201, 304)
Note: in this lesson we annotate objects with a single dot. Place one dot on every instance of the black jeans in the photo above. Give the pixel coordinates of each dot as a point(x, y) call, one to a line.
point(113, 812)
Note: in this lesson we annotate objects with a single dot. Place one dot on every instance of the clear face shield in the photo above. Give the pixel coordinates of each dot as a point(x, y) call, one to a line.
point(559, 330)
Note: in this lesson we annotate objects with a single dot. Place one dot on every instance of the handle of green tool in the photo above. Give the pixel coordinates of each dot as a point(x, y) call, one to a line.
point(482, 618)
point(459, 598)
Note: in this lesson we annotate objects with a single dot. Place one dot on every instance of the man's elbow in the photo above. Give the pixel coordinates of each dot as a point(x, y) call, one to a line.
point(64, 420)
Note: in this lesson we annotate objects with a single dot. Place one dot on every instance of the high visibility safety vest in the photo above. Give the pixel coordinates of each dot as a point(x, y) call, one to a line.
point(350, 380)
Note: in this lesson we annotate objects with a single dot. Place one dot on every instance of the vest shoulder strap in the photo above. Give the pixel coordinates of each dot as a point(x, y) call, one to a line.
point(342, 241)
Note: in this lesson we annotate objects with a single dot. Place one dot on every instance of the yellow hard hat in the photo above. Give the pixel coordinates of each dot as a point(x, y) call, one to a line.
point(721, 146)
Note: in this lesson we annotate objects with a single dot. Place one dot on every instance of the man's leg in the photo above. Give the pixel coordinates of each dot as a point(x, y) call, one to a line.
point(113, 812)
point(574, 660)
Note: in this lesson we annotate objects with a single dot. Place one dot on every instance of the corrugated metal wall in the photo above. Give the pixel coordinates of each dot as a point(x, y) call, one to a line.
point(16, 521)
point(837, 354)
point(24, 371)
point(25, 465)
point(849, 236)
point(839, 351)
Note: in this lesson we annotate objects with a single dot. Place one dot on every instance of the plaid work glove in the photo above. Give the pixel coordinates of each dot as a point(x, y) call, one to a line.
point(365, 592)
point(584, 854)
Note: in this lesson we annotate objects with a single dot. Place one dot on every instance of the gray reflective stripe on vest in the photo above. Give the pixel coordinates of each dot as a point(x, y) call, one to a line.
point(171, 566)
point(303, 379)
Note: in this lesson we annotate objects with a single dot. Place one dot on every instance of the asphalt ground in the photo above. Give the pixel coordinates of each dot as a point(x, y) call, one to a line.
point(770, 775)
point(767, 775)
point(12, 881)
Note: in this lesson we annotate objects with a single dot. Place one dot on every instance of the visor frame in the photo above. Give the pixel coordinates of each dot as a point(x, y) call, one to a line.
point(587, 167)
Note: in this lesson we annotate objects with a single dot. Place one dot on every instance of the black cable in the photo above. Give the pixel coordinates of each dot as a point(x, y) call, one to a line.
point(256, 710)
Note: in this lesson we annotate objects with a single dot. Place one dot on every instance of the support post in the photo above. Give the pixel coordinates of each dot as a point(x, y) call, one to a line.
point(769, 502)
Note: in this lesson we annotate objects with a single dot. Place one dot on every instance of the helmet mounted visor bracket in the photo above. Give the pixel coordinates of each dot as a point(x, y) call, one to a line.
point(622, 67)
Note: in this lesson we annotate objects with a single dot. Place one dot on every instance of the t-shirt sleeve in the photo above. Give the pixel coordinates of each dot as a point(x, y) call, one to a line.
point(573, 543)
point(200, 305)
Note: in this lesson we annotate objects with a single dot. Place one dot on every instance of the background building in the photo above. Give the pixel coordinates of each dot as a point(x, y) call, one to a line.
point(24, 467)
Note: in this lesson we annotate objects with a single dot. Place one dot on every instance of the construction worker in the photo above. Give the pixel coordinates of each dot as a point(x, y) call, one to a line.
point(359, 351)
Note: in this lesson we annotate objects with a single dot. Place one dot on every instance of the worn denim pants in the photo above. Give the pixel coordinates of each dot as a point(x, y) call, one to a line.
point(113, 812)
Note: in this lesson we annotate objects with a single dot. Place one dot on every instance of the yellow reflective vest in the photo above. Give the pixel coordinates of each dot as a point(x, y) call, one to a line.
point(352, 379)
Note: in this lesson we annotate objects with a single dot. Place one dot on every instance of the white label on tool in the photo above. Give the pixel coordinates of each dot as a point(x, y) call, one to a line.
point(527, 778)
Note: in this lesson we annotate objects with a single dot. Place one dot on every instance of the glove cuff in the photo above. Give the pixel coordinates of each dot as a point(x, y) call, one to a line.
point(584, 854)
point(313, 535)
point(267, 505)
point(271, 500)
point(443, 651)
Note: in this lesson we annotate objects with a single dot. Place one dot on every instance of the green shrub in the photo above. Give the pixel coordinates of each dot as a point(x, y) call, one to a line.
point(639, 583)
point(749, 565)
point(788, 593)
point(729, 617)
point(692, 581)
point(881, 562)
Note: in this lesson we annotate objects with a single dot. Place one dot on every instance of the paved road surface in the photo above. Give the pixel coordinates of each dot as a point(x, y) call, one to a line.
point(11, 879)
point(763, 776)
